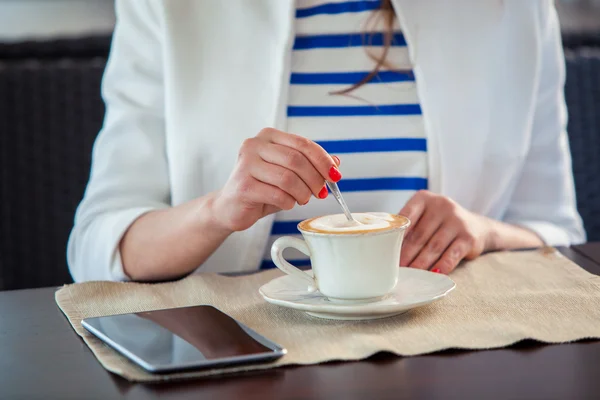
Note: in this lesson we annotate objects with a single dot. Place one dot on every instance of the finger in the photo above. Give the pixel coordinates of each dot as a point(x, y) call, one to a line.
point(295, 161)
point(414, 208)
point(435, 247)
point(428, 223)
point(317, 156)
point(337, 160)
point(269, 209)
point(283, 178)
point(453, 255)
point(258, 192)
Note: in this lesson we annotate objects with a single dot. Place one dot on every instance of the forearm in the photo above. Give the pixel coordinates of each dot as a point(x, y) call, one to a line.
point(171, 243)
point(503, 236)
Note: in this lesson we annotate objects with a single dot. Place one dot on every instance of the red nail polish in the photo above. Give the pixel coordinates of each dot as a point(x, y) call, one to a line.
point(335, 174)
point(337, 160)
point(436, 270)
point(323, 193)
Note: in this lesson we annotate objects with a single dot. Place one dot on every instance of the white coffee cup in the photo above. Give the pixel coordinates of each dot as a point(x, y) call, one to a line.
point(348, 265)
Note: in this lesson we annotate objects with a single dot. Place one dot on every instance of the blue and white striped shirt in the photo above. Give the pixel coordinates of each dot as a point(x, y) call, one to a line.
point(377, 130)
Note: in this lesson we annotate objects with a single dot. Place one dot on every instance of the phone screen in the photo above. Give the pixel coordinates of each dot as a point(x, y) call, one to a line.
point(182, 338)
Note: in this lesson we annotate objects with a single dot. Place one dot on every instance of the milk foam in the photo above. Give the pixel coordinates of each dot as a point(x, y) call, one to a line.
point(339, 222)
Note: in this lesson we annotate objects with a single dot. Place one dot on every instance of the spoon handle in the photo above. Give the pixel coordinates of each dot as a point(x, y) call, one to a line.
point(338, 196)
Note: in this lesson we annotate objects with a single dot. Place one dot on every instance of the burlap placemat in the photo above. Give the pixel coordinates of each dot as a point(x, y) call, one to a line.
point(500, 299)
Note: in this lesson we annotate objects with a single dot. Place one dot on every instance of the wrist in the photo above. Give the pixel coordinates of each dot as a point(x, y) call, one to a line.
point(492, 235)
point(211, 218)
point(504, 236)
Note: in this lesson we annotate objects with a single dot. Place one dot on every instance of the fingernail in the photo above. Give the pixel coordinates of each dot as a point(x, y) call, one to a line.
point(436, 270)
point(337, 160)
point(335, 174)
point(323, 193)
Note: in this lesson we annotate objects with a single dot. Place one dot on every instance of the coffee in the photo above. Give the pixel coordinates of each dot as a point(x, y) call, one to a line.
point(367, 223)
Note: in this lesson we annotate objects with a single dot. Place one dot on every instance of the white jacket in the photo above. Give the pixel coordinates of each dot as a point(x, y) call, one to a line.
point(187, 81)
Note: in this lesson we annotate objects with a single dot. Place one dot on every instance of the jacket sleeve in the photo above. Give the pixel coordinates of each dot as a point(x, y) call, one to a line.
point(544, 198)
point(129, 174)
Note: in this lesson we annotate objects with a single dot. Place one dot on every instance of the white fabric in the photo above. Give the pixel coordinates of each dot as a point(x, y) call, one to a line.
point(188, 81)
point(358, 163)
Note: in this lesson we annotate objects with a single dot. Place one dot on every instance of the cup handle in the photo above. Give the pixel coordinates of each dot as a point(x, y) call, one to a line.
point(277, 255)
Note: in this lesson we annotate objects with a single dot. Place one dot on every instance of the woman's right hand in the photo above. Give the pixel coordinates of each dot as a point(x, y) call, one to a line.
point(275, 171)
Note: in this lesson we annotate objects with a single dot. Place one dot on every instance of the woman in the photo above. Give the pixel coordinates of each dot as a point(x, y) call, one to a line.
point(223, 120)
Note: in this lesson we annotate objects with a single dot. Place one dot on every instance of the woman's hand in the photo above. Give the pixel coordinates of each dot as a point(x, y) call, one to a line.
point(442, 233)
point(275, 171)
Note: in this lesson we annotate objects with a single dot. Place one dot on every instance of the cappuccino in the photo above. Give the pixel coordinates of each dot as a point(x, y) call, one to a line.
point(365, 223)
point(352, 262)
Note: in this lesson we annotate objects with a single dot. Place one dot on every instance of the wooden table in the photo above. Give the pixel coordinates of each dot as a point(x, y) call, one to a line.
point(590, 250)
point(41, 357)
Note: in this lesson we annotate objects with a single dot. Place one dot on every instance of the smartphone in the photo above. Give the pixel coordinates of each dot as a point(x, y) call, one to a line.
point(185, 338)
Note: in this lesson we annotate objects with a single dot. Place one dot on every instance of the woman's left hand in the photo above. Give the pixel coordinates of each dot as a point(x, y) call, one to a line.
point(442, 233)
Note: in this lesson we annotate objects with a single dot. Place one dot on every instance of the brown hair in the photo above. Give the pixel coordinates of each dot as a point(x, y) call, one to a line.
point(385, 12)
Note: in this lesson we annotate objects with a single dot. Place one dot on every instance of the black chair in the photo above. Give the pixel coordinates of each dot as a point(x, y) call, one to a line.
point(50, 114)
point(582, 93)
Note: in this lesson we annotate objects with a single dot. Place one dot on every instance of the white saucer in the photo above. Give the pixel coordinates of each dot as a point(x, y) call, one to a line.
point(415, 288)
